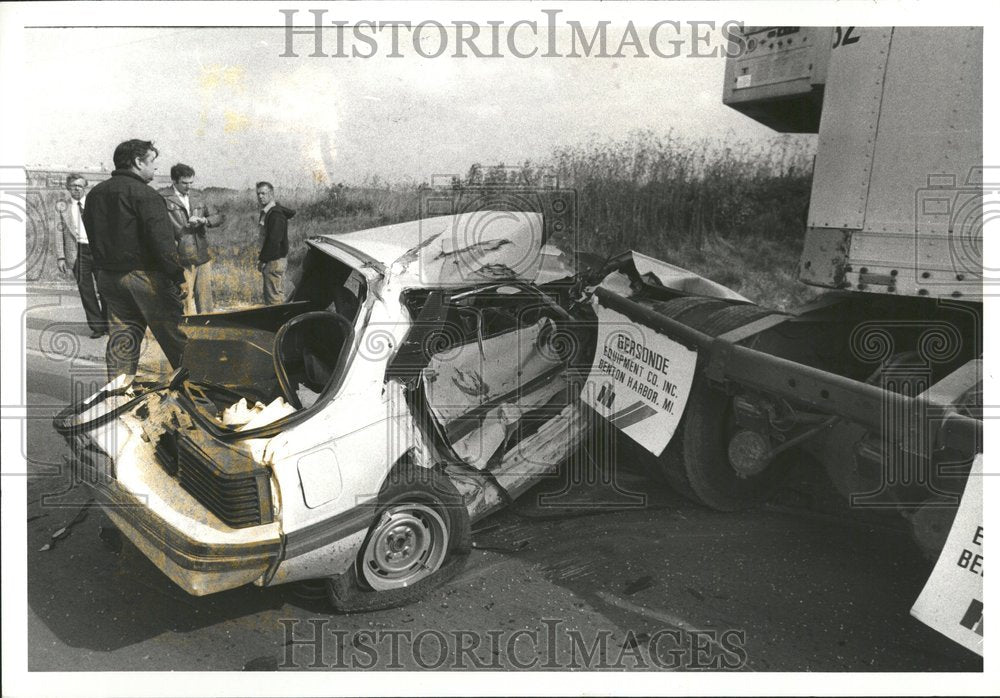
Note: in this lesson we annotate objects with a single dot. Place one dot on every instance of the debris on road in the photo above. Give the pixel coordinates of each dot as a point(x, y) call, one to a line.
point(65, 530)
point(512, 548)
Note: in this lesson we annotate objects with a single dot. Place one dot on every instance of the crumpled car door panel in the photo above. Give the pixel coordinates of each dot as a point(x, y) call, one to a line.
point(477, 392)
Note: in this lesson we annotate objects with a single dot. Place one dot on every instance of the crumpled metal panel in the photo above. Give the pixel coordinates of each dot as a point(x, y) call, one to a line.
point(455, 251)
point(682, 280)
point(461, 383)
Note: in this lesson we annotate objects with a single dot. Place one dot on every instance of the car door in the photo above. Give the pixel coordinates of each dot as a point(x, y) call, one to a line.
point(500, 391)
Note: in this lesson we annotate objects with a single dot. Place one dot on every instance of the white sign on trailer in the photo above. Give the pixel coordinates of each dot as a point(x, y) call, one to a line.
point(640, 379)
point(952, 599)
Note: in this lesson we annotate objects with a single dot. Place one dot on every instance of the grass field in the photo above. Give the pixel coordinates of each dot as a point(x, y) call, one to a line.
point(735, 214)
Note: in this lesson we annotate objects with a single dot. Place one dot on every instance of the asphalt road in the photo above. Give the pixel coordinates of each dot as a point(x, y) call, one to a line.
point(663, 584)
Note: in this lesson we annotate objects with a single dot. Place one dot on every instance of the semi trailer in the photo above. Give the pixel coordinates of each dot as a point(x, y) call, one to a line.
point(879, 378)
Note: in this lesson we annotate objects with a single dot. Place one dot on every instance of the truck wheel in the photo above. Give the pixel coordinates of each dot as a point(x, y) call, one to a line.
point(420, 539)
point(731, 317)
point(714, 481)
point(691, 310)
point(668, 467)
point(671, 466)
point(609, 448)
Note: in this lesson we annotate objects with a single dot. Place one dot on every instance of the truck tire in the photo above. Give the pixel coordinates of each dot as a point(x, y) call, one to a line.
point(668, 468)
point(696, 463)
point(420, 539)
point(690, 310)
point(702, 469)
point(731, 317)
point(714, 481)
point(672, 470)
point(693, 311)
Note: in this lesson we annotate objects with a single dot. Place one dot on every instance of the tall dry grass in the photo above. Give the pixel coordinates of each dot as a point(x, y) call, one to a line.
point(734, 213)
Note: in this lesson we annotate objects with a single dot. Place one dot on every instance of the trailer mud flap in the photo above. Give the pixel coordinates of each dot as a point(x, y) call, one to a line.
point(952, 600)
point(640, 379)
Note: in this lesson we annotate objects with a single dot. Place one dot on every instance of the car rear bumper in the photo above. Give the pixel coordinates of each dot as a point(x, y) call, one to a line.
point(197, 566)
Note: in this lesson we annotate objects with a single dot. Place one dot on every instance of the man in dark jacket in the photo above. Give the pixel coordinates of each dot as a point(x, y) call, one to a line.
point(138, 272)
point(272, 261)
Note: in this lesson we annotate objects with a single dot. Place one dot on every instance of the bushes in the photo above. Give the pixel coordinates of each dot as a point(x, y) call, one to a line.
point(649, 189)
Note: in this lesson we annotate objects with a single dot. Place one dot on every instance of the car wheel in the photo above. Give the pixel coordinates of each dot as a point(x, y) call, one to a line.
point(420, 539)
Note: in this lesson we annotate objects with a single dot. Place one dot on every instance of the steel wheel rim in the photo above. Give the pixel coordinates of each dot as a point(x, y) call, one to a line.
point(408, 544)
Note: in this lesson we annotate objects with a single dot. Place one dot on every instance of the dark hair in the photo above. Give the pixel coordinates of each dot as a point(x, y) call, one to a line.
point(264, 184)
point(73, 176)
point(181, 170)
point(127, 152)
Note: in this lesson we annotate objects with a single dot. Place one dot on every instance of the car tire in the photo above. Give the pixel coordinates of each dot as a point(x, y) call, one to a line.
point(421, 522)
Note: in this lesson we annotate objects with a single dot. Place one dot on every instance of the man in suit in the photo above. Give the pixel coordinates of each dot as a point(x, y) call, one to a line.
point(73, 252)
point(138, 272)
point(191, 216)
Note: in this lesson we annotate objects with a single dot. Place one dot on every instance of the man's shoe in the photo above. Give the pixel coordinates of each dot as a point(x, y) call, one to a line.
point(97, 334)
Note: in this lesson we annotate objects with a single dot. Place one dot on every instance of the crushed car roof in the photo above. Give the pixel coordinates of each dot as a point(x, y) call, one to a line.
point(454, 251)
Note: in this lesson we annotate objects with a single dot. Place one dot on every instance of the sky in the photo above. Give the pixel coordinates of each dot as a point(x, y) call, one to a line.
point(224, 101)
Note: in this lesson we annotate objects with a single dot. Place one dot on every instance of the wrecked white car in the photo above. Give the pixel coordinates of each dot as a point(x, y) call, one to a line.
point(420, 377)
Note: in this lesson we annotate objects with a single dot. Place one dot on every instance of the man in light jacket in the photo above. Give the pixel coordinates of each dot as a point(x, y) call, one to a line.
point(191, 216)
point(73, 252)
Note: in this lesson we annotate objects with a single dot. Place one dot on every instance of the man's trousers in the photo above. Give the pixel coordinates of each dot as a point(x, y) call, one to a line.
point(137, 300)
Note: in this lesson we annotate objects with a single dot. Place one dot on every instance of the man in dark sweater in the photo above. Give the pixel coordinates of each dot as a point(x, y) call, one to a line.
point(272, 261)
point(135, 254)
